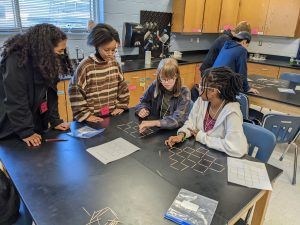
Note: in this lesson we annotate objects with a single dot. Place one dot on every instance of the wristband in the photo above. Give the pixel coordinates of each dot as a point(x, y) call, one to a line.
point(183, 138)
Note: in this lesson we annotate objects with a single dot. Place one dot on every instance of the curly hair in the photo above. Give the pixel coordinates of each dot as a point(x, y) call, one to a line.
point(225, 80)
point(36, 46)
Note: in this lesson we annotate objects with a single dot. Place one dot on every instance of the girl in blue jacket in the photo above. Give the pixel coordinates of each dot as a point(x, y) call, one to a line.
point(166, 100)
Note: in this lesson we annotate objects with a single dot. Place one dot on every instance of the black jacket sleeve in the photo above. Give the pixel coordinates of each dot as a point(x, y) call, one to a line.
point(52, 101)
point(213, 52)
point(16, 103)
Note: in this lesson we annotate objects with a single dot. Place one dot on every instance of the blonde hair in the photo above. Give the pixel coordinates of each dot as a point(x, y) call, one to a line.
point(242, 26)
point(168, 68)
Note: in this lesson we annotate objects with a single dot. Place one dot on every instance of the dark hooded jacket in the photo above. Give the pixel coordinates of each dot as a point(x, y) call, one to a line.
point(215, 50)
point(234, 55)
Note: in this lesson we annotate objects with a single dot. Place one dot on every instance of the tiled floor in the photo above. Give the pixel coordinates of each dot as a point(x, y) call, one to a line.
point(284, 205)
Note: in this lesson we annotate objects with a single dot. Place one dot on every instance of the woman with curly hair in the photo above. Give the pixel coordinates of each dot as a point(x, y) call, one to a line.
point(29, 72)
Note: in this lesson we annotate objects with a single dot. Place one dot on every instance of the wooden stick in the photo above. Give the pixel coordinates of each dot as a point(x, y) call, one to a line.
point(159, 173)
point(55, 139)
point(86, 211)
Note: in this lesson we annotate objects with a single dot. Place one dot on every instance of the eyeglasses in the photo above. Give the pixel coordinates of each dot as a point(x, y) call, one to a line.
point(164, 81)
point(203, 88)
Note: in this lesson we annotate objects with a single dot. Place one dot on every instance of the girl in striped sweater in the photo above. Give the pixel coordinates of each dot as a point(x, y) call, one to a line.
point(98, 87)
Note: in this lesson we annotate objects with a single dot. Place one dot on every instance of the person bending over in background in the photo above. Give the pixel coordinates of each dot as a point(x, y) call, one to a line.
point(216, 47)
point(216, 119)
point(165, 99)
point(98, 87)
point(234, 55)
point(28, 78)
point(218, 44)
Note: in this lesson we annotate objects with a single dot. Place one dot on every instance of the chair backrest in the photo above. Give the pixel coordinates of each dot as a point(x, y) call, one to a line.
point(244, 104)
point(259, 139)
point(294, 77)
point(285, 127)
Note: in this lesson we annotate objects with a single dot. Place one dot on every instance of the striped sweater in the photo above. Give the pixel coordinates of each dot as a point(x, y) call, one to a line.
point(97, 84)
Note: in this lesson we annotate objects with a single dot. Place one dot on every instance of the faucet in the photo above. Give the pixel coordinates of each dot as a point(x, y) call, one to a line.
point(77, 49)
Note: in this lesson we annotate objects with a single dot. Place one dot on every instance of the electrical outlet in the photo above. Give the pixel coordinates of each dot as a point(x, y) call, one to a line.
point(191, 40)
point(198, 40)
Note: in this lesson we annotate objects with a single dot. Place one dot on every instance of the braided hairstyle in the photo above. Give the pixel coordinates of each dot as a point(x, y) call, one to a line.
point(36, 46)
point(225, 80)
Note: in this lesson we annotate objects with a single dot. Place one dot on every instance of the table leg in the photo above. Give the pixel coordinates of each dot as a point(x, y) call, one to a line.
point(261, 209)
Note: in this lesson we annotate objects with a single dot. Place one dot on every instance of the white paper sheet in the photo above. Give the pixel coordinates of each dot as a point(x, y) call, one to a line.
point(248, 173)
point(112, 150)
point(297, 88)
point(286, 90)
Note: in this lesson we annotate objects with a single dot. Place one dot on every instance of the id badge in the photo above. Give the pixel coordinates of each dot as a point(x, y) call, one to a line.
point(104, 110)
point(43, 107)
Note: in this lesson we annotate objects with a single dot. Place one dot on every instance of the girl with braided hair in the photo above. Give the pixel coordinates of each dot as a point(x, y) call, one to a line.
point(216, 119)
point(29, 72)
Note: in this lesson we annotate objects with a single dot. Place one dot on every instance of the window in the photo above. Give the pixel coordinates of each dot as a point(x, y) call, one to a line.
point(7, 15)
point(67, 14)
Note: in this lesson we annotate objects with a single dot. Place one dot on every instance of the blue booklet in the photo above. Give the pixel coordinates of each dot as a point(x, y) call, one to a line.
point(190, 208)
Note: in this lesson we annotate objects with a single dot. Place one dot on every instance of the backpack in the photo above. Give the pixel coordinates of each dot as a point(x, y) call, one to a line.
point(9, 201)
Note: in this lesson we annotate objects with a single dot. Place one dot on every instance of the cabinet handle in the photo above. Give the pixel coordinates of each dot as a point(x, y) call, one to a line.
point(264, 69)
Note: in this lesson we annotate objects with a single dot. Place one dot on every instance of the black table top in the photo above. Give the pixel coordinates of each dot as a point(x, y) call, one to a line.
point(275, 62)
point(57, 179)
point(139, 64)
point(134, 63)
point(268, 88)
